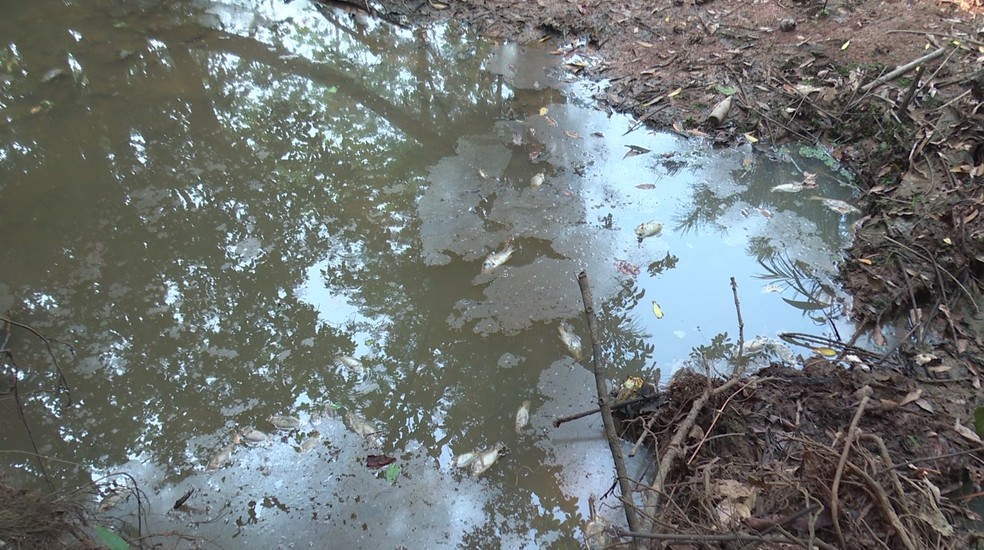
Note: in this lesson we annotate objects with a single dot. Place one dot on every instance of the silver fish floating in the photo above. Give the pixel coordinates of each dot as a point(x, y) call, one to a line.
point(253, 438)
point(837, 206)
point(597, 531)
point(648, 229)
point(221, 458)
point(464, 459)
point(358, 424)
point(284, 423)
point(310, 443)
point(115, 496)
point(522, 416)
point(496, 259)
point(485, 459)
point(571, 341)
point(350, 364)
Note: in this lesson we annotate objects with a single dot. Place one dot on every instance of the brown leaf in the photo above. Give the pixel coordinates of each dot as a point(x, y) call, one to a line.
point(378, 461)
point(645, 186)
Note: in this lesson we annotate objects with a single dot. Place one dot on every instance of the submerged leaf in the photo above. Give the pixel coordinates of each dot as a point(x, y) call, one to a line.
point(392, 472)
point(378, 461)
point(635, 150)
point(110, 539)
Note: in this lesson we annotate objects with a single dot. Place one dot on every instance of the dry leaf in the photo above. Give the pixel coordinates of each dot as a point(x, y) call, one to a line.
point(966, 432)
point(910, 397)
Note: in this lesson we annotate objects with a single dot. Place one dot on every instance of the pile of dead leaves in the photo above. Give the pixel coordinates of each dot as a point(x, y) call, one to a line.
point(820, 457)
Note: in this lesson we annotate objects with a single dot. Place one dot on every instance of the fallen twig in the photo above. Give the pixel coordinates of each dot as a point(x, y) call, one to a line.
point(614, 443)
point(902, 70)
point(616, 405)
point(865, 393)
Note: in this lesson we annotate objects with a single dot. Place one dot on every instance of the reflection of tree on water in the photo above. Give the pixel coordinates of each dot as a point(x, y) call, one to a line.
point(799, 277)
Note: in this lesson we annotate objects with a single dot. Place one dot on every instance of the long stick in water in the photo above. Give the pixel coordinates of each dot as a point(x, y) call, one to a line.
point(628, 502)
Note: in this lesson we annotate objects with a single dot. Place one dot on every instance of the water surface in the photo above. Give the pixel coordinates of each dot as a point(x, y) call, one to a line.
point(210, 201)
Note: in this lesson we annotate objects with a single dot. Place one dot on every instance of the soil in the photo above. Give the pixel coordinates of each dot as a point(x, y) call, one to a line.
point(860, 449)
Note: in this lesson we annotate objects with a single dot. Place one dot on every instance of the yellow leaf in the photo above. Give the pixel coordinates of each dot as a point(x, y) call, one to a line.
point(751, 138)
point(845, 45)
point(864, 261)
point(826, 352)
point(544, 111)
point(657, 310)
point(674, 92)
point(437, 5)
point(947, 240)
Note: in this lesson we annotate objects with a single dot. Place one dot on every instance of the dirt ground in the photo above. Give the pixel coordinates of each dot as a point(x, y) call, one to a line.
point(856, 449)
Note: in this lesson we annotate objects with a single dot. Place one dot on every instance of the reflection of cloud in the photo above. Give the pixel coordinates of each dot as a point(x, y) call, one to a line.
point(333, 309)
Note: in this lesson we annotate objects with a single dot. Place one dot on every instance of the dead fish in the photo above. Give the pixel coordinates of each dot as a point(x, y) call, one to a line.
point(496, 259)
point(284, 423)
point(597, 531)
point(358, 424)
point(485, 459)
point(221, 458)
point(464, 459)
point(571, 340)
point(523, 416)
point(310, 443)
point(114, 497)
point(253, 438)
point(537, 180)
point(350, 363)
point(838, 206)
point(648, 229)
point(790, 187)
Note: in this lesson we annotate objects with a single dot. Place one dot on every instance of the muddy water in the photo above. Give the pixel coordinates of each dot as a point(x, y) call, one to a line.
point(211, 201)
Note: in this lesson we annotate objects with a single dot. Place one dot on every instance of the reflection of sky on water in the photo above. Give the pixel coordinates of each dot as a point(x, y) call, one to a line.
point(288, 186)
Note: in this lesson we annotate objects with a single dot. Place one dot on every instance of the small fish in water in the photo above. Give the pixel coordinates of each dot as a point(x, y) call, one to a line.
point(571, 340)
point(790, 187)
point(648, 229)
point(522, 416)
point(221, 458)
point(597, 531)
point(310, 443)
point(537, 180)
point(349, 365)
point(358, 424)
point(464, 459)
point(284, 423)
point(485, 459)
point(114, 497)
point(253, 438)
point(496, 259)
point(838, 206)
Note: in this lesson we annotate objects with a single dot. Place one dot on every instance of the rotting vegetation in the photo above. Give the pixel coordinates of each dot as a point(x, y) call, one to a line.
point(869, 451)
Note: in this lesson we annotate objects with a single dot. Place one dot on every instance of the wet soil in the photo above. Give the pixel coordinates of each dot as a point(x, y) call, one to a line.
point(820, 73)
